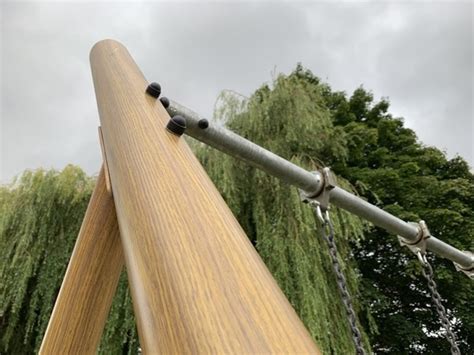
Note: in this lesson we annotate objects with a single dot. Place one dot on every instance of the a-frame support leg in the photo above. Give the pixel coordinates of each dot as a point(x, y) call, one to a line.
point(91, 279)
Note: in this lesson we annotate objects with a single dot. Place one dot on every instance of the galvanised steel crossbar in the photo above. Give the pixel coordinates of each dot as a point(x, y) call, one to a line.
point(312, 183)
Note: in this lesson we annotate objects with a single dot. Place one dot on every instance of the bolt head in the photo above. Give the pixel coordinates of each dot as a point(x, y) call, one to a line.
point(203, 123)
point(154, 89)
point(165, 102)
point(176, 125)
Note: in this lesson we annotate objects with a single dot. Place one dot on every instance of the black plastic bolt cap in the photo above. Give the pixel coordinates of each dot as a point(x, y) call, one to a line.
point(176, 125)
point(165, 101)
point(154, 89)
point(203, 123)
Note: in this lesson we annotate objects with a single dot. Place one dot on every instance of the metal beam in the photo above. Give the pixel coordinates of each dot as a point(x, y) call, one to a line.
point(231, 143)
point(221, 138)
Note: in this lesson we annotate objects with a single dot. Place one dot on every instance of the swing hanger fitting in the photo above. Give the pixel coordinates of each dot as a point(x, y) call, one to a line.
point(418, 247)
point(320, 200)
point(469, 271)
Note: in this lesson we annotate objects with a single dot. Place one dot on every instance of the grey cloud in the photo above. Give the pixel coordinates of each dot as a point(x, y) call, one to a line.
point(430, 75)
point(419, 55)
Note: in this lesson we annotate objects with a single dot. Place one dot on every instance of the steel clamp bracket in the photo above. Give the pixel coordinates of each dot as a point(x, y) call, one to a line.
point(321, 199)
point(418, 247)
point(469, 271)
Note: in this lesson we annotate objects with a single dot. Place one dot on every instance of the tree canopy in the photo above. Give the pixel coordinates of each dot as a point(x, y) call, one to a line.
point(301, 119)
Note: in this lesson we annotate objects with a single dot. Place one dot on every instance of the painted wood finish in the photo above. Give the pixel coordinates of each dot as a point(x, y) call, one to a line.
point(197, 283)
point(90, 282)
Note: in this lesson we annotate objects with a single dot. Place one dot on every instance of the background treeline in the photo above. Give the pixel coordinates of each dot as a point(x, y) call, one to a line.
point(303, 120)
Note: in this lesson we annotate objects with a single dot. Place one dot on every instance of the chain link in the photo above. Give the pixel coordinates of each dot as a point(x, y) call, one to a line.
point(341, 282)
point(346, 297)
point(435, 296)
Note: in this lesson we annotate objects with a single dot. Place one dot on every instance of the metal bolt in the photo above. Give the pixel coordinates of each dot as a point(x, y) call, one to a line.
point(176, 125)
point(203, 123)
point(165, 102)
point(154, 89)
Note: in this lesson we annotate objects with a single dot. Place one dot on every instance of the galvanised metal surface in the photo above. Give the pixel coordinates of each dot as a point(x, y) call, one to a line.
point(394, 225)
point(377, 216)
point(231, 143)
point(228, 142)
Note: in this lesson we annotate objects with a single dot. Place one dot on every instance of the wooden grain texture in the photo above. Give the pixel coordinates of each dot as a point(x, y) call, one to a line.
point(90, 282)
point(108, 186)
point(197, 283)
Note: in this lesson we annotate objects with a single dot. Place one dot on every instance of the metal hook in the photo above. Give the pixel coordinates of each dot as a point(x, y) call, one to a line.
point(326, 215)
point(319, 213)
point(422, 257)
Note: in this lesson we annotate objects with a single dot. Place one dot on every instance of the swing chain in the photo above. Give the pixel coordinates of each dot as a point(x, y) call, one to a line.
point(418, 247)
point(436, 297)
point(340, 278)
point(320, 205)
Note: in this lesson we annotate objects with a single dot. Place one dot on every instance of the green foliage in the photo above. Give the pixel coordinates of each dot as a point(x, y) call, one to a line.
point(290, 119)
point(301, 119)
point(38, 223)
point(40, 217)
point(412, 182)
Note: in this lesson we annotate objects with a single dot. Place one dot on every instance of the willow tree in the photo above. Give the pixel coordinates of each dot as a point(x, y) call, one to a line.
point(290, 118)
point(40, 217)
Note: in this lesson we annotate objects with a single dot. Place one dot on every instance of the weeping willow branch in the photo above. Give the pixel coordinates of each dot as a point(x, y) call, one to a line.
point(291, 120)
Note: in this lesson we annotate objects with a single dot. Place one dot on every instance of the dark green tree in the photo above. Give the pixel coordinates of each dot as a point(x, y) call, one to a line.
point(413, 182)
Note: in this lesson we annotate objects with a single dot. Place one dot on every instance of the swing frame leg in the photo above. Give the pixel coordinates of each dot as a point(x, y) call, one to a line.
point(197, 283)
point(90, 282)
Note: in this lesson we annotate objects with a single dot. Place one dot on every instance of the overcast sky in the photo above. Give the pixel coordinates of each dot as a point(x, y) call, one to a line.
point(418, 54)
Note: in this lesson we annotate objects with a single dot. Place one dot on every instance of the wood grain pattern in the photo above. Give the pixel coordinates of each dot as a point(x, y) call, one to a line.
point(108, 186)
point(90, 282)
point(197, 283)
